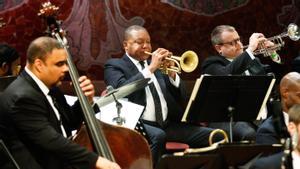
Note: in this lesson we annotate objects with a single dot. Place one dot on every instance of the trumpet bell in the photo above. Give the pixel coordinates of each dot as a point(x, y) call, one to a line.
point(189, 61)
point(293, 32)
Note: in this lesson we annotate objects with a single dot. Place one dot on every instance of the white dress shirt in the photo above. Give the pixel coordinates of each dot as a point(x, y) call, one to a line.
point(149, 112)
point(286, 118)
point(296, 160)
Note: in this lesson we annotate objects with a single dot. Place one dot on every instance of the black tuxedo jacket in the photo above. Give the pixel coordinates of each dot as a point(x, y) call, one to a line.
point(219, 65)
point(273, 128)
point(270, 162)
point(296, 64)
point(30, 129)
point(122, 71)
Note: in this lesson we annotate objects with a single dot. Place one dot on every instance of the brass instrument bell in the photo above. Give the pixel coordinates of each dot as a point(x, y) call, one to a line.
point(187, 62)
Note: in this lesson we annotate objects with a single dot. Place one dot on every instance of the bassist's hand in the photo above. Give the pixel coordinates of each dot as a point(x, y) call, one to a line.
point(87, 87)
point(103, 163)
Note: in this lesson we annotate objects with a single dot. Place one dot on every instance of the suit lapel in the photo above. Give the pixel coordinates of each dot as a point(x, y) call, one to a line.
point(132, 68)
point(60, 100)
point(52, 115)
point(29, 79)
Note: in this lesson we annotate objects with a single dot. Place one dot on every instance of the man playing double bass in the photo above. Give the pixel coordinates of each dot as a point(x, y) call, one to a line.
point(35, 119)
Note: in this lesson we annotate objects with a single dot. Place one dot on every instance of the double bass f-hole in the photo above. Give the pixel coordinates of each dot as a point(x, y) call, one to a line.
point(124, 146)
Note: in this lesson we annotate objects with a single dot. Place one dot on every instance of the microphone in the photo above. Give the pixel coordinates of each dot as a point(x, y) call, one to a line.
point(110, 90)
point(275, 57)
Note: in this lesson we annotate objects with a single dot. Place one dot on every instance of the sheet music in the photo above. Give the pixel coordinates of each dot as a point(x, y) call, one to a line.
point(263, 112)
point(131, 112)
point(192, 98)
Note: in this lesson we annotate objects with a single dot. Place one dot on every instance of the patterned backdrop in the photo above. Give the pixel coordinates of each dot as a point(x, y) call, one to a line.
point(95, 27)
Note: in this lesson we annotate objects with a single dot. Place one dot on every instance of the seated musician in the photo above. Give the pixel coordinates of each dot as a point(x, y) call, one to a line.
point(275, 127)
point(9, 61)
point(35, 119)
point(233, 60)
point(162, 98)
point(277, 160)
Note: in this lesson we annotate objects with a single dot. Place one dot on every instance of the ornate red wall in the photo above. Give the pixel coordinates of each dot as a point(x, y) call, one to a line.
point(95, 28)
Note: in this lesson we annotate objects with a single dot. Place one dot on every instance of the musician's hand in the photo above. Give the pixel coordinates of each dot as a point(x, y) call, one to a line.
point(158, 58)
point(268, 44)
point(87, 87)
point(169, 64)
point(103, 163)
point(254, 40)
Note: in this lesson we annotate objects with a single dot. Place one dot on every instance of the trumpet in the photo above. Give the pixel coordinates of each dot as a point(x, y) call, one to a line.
point(187, 62)
point(292, 32)
point(216, 131)
point(212, 146)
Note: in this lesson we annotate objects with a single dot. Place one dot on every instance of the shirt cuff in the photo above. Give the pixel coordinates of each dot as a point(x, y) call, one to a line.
point(175, 82)
point(250, 54)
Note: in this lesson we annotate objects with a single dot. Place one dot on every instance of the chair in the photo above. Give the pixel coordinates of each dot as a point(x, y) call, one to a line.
point(172, 147)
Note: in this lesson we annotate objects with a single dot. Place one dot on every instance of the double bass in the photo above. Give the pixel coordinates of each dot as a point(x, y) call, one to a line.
point(124, 146)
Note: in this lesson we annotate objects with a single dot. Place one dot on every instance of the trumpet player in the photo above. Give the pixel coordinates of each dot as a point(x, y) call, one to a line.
point(162, 98)
point(274, 128)
point(233, 60)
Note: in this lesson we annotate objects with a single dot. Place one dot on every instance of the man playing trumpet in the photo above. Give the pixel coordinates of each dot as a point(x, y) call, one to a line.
point(233, 60)
point(162, 98)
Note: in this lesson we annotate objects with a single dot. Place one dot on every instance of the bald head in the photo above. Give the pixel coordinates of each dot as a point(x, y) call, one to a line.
point(40, 47)
point(290, 90)
point(290, 80)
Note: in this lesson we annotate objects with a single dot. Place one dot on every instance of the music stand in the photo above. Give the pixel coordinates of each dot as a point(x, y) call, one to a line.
point(192, 161)
point(228, 98)
point(224, 156)
point(238, 154)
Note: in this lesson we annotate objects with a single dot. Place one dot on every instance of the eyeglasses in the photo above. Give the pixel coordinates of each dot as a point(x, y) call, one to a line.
point(232, 43)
